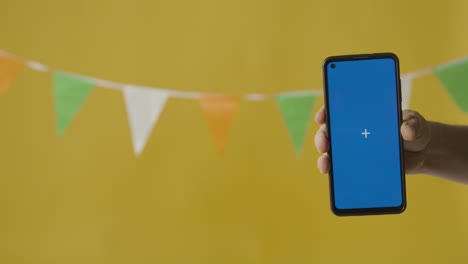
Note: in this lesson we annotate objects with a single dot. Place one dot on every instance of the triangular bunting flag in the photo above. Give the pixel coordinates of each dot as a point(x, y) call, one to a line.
point(70, 93)
point(454, 77)
point(406, 86)
point(296, 111)
point(144, 106)
point(219, 113)
point(10, 68)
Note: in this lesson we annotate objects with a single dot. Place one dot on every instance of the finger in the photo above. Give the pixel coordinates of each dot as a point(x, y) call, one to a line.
point(323, 163)
point(410, 129)
point(321, 139)
point(320, 115)
point(415, 131)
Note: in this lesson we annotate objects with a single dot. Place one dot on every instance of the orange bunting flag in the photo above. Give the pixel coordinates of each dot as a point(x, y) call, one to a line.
point(219, 113)
point(10, 67)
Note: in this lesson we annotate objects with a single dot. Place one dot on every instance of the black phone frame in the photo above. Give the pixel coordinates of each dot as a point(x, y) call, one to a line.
point(364, 211)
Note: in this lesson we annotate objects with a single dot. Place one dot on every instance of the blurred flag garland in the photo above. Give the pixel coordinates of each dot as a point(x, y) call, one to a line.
point(296, 110)
point(70, 93)
point(220, 112)
point(145, 104)
point(10, 68)
point(143, 108)
point(454, 77)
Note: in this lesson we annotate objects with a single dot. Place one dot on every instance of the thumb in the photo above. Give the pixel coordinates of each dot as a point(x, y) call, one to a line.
point(415, 131)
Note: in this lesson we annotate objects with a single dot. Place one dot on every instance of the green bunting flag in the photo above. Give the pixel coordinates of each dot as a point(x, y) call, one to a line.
point(296, 111)
point(70, 93)
point(454, 77)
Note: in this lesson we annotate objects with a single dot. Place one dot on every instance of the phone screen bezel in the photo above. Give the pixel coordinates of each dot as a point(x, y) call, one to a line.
point(365, 211)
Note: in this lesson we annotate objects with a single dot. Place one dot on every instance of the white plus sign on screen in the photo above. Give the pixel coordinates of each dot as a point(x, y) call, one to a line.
point(365, 133)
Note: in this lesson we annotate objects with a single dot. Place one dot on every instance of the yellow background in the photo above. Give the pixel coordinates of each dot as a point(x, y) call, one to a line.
point(85, 198)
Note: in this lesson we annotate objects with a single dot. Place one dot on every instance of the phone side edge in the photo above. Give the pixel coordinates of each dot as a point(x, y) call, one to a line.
point(331, 188)
point(404, 201)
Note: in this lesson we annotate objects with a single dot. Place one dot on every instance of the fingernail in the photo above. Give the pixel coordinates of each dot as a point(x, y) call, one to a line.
point(416, 126)
point(412, 122)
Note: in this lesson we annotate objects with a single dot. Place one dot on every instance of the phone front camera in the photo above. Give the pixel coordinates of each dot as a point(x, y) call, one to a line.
point(333, 66)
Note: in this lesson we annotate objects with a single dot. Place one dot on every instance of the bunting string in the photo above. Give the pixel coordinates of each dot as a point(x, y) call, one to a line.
point(40, 67)
point(106, 84)
point(145, 104)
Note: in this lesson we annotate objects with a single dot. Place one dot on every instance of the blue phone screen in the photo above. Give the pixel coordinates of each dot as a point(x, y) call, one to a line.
point(364, 132)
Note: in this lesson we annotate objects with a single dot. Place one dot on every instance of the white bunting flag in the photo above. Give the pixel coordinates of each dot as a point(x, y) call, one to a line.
point(144, 105)
point(406, 85)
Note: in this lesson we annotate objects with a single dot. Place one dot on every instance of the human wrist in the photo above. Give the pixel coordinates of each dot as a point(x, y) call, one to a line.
point(434, 149)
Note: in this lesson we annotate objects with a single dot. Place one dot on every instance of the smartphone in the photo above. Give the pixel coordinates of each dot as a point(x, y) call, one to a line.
point(363, 111)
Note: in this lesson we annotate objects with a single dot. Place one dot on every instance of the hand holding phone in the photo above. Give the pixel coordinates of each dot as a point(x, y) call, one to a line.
point(414, 130)
point(363, 106)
